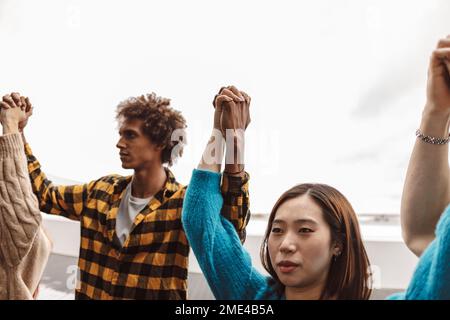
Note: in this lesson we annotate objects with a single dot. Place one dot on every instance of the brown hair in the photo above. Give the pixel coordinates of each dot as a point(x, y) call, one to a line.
point(348, 276)
point(159, 122)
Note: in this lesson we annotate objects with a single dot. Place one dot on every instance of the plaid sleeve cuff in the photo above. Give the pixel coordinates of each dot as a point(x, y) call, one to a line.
point(235, 185)
point(28, 151)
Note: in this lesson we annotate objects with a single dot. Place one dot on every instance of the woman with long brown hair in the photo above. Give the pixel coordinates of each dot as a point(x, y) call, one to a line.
point(312, 248)
point(313, 242)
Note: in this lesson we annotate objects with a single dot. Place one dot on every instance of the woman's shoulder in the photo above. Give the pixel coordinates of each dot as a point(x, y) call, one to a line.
point(443, 226)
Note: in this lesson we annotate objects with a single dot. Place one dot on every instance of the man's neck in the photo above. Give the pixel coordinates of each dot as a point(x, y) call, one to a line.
point(147, 182)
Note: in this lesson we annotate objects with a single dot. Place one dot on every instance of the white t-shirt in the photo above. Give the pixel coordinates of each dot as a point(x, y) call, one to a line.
point(128, 210)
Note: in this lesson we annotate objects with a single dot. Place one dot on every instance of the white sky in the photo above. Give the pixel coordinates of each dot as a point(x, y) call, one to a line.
point(337, 86)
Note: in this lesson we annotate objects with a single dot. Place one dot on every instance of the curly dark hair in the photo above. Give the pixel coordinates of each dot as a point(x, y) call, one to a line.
point(160, 121)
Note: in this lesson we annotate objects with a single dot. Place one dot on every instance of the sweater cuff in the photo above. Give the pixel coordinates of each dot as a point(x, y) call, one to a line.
point(10, 145)
point(205, 180)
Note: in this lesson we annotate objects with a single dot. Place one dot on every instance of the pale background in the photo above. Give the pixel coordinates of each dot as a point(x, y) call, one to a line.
point(337, 86)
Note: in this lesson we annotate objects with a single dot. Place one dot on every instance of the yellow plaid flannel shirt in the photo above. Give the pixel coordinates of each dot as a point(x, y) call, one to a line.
point(153, 261)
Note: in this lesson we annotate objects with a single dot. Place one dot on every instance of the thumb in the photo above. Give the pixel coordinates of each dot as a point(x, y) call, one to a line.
point(447, 64)
point(28, 104)
point(220, 101)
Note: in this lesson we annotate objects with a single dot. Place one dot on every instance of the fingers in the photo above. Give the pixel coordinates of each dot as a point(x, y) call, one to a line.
point(28, 105)
point(221, 99)
point(16, 98)
point(246, 97)
point(4, 105)
point(215, 97)
point(442, 52)
point(9, 100)
point(30, 111)
point(23, 103)
point(439, 56)
point(236, 92)
point(221, 89)
point(228, 95)
point(247, 102)
point(232, 95)
point(444, 43)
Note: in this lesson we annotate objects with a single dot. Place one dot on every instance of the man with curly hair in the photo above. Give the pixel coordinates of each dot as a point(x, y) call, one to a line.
point(133, 245)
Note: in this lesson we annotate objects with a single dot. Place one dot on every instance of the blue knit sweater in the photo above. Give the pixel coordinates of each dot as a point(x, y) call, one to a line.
point(228, 268)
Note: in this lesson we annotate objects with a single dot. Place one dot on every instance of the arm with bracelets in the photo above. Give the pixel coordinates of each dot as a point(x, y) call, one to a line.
point(426, 191)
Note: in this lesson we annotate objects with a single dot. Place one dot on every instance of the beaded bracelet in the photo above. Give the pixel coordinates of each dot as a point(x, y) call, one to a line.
point(430, 139)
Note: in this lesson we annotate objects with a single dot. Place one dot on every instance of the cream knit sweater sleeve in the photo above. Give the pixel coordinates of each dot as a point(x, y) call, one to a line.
point(24, 246)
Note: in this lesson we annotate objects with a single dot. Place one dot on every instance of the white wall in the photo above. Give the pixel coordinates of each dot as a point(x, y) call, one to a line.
point(392, 263)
